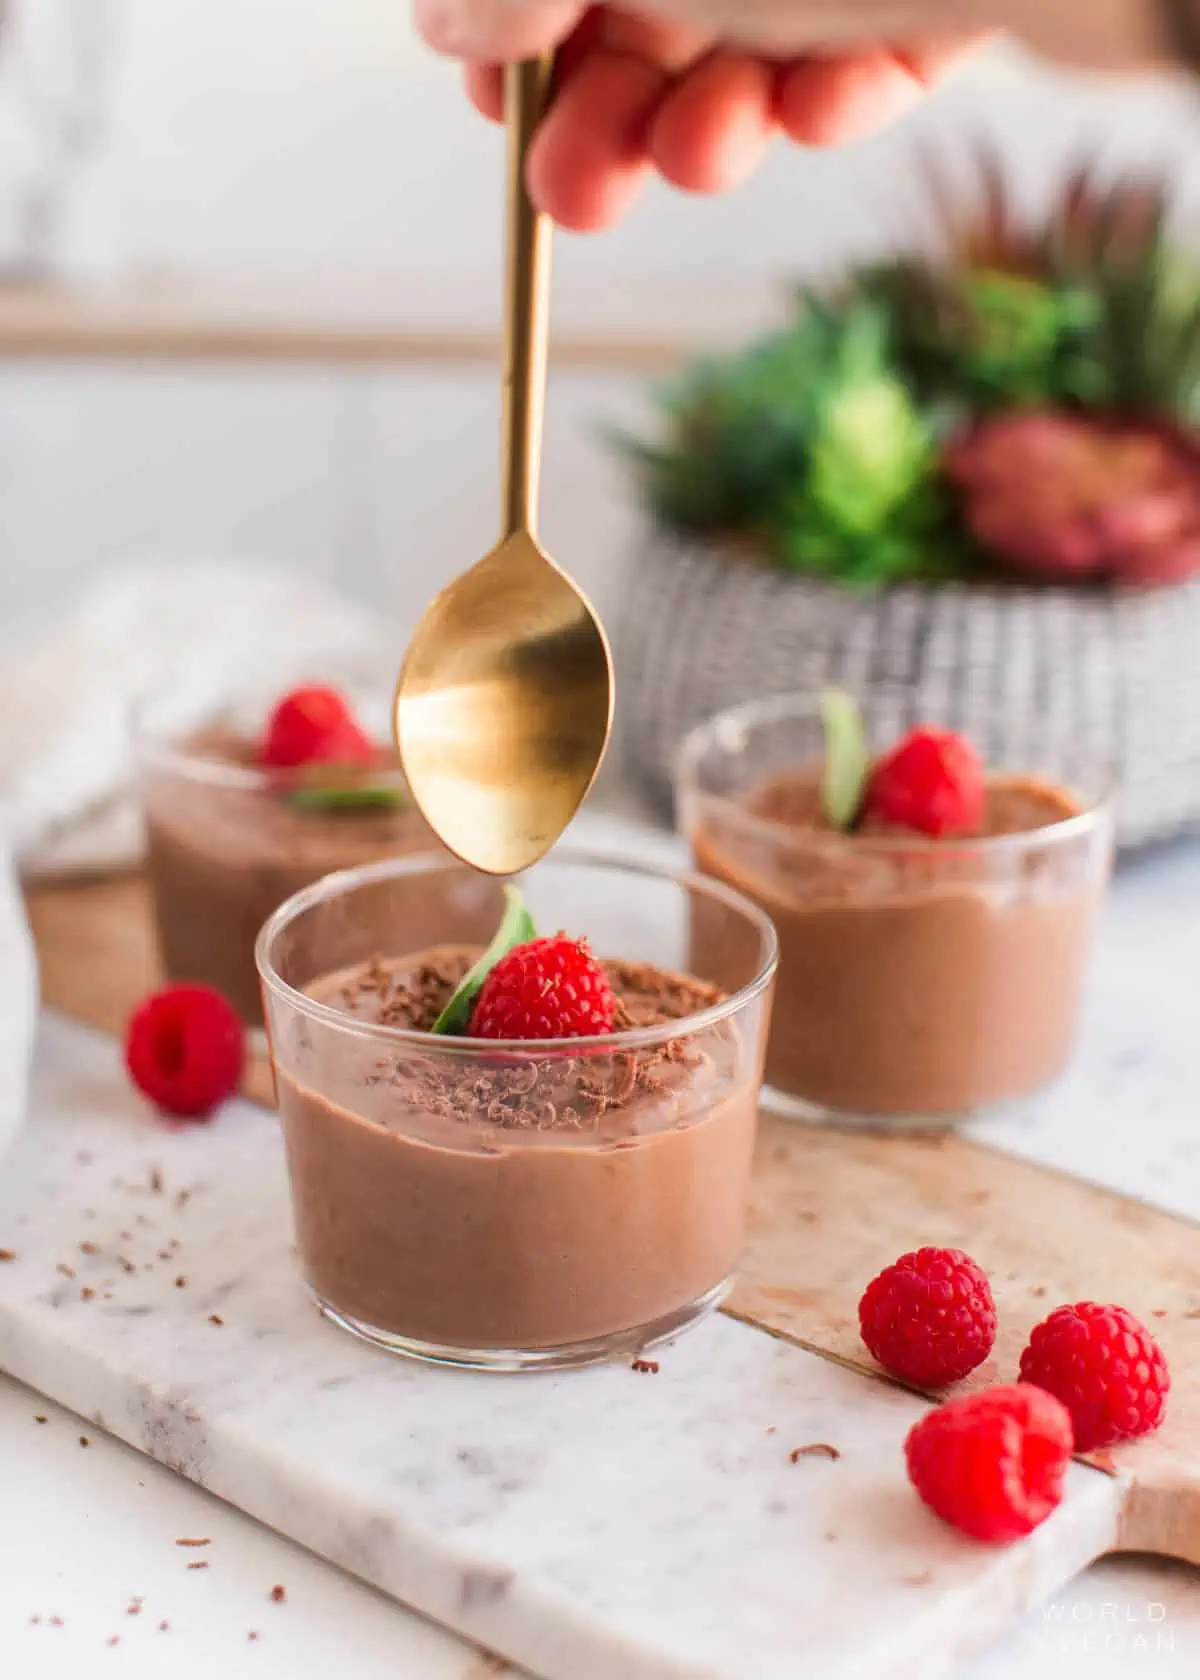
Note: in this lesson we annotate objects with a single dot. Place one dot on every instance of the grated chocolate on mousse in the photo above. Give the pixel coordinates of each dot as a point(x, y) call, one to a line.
point(411, 996)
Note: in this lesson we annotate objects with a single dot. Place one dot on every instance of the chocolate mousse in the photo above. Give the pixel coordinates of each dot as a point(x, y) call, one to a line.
point(228, 841)
point(454, 1198)
point(919, 978)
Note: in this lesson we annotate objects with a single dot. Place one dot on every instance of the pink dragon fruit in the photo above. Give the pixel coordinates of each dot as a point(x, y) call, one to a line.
point(1069, 498)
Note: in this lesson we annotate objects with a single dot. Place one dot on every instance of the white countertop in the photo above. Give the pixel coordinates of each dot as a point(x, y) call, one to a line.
point(90, 1532)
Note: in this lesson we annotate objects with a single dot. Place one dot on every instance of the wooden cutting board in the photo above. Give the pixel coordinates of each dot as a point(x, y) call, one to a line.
point(829, 1210)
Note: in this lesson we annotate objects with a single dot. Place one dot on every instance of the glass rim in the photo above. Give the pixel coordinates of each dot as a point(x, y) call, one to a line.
point(345, 881)
point(778, 708)
point(154, 751)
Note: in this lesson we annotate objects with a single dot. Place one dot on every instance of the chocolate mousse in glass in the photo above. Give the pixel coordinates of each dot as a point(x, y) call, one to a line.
point(228, 837)
point(921, 979)
point(516, 1204)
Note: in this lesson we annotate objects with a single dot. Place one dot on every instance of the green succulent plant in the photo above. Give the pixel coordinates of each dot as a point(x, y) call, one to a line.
point(807, 448)
point(821, 448)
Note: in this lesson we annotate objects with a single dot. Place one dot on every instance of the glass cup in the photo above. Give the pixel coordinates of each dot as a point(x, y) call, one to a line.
point(920, 981)
point(506, 1205)
point(228, 840)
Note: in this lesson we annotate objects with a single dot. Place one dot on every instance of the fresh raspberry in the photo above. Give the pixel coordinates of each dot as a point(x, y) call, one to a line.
point(932, 782)
point(315, 726)
point(992, 1463)
point(1104, 1366)
point(930, 1317)
point(548, 988)
point(184, 1048)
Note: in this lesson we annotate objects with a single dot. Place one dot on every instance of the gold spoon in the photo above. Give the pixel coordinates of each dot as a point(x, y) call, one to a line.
point(504, 704)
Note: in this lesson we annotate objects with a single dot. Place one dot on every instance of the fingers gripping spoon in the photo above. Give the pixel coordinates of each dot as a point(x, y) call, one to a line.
point(504, 704)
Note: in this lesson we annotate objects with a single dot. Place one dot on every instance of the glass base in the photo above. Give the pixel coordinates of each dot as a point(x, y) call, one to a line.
point(622, 1344)
point(787, 1107)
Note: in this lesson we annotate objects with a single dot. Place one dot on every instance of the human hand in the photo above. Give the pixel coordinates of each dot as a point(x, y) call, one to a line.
point(638, 91)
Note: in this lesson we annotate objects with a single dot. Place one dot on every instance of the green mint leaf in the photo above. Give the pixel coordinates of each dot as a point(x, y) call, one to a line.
point(368, 797)
point(847, 759)
point(516, 928)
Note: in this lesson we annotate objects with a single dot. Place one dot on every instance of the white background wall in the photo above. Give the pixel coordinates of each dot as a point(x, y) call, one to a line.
point(313, 140)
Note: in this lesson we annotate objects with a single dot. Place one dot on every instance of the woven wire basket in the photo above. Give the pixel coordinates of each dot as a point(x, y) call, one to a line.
point(1029, 675)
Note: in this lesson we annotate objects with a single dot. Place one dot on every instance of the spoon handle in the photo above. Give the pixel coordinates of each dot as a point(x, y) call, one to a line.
point(526, 88)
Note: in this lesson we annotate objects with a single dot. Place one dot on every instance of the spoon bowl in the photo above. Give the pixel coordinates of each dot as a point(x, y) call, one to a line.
point(504, 704)
point(504, 708)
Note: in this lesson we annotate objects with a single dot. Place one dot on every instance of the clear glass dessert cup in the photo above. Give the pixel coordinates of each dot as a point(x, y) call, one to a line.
point(474, 1202)
point(228, 840)
point(920, 981)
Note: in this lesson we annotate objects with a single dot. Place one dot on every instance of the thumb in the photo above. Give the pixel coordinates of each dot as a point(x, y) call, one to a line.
point(494, 31)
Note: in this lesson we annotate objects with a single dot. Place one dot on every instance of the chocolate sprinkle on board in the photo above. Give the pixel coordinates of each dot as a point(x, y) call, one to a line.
point(649, 1365)
point(40, 1419)
point(85, 1441)
point(188, 1542)
point(156, 1180)
point(814, 1449)
point(200, 1563)
point(278, 1595)
point(215, 1318)
point(6, 1254)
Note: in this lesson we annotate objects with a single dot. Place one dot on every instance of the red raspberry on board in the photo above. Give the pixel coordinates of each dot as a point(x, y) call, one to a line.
point(929, 1318)
point(315, 726)
point(1104, 1366)
point(992, 1463)
point(184, 1048)
point(932, 782)
point(547, 988)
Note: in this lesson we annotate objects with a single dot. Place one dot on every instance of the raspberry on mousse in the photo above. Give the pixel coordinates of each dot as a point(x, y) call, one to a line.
point(546, 988)
point(315, 725)
point(932, 782)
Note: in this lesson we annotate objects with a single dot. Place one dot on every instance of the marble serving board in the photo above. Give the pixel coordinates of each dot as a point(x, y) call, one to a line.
point(612, 1524)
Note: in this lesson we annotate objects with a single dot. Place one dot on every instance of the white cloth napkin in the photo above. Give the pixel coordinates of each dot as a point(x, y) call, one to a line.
point(202, 632)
